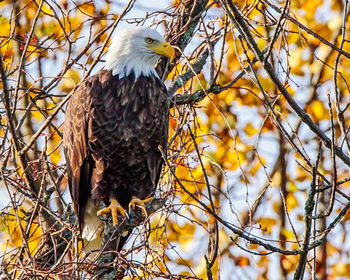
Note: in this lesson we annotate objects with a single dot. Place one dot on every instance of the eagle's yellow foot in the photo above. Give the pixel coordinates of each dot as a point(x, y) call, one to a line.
point(136, 202)
point(114, 208)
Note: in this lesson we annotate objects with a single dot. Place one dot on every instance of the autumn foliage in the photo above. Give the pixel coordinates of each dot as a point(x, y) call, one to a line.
point(256, 178)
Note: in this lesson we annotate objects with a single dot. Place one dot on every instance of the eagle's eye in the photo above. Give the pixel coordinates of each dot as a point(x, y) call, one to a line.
point(149, 40)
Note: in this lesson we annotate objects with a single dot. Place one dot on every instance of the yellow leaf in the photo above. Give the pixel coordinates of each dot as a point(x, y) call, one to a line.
point(105, 8)
point(256, 167)
point(2, 124)
point(15, 234)
point(335, 23)
point(266, 224)
point(53, 148)
point(267, 83)
point(224, 239)
point(341, 269)
point(288, 234)
point(88, 8)
point(4, 27)
point(46, 9)
point(157, 224)
point(276, 180)
point(220, 153)
point(37, 115)
point(291, 201)
point(228, 96)
point(310, 8)
point(71, 79)
point(289, 263)
point(332, 250)
point(318, 110)
point(292, 187)
point(276, 206)
point(3, 19)
point(31, 12)
point(296, 61)
point(250, 130)
point(201, 269)
point(253, 246)
point(302, 175)
point(183, 234)
point(45, 29)
point(263, 261)
point(182, 261)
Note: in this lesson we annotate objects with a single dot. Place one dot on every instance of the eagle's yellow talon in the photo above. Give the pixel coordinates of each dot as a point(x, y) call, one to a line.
point(136, 202)
point(114, 208)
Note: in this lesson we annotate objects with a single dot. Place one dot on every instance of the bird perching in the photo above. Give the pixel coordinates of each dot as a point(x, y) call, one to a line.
point(115, 122)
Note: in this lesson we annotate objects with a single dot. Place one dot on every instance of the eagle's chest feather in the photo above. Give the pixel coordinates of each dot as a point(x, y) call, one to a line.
point(130, 118)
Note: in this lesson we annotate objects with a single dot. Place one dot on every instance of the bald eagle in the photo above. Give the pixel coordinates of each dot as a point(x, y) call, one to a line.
point(114, 124)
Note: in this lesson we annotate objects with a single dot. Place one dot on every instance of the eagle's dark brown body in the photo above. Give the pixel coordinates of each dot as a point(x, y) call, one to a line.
point(112, 131)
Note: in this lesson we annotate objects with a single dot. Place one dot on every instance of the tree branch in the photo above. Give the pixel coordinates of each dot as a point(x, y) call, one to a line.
point(111, 235)
point(238, 20)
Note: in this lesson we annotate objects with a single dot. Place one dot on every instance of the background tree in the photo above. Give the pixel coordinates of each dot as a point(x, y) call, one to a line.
point(257, 172)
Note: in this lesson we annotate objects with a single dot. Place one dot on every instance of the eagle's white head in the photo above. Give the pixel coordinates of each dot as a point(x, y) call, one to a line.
point(136, 50)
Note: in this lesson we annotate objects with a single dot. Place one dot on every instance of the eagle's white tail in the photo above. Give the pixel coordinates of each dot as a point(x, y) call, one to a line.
point(92, 228)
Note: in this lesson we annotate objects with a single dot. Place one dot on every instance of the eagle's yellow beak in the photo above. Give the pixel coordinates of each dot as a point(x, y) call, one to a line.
point(164, 49)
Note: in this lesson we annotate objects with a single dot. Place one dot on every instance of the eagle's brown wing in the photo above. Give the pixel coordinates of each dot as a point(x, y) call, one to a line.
point(75, 138)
